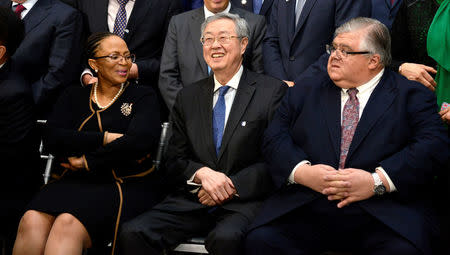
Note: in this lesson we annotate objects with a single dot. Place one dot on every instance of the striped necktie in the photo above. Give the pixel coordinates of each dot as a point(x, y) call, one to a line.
point(121, 19)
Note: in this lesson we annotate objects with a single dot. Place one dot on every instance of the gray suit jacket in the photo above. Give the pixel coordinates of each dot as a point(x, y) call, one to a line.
point(182, 60)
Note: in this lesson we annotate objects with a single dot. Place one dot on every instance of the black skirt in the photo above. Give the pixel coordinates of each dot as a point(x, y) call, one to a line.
point(99, 206)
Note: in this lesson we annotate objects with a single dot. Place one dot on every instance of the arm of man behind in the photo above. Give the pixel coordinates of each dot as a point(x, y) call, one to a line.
point(169, 76)
point(64, 60)
point(273, 64)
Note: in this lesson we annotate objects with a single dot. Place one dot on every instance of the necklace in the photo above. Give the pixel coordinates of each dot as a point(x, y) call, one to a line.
point(112, 101)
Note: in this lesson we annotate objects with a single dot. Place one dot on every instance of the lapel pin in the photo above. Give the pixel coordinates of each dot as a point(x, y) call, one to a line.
point(243, 123)
point(244, 2)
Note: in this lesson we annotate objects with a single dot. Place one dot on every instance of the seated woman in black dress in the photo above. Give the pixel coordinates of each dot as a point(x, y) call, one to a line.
point(105, 132)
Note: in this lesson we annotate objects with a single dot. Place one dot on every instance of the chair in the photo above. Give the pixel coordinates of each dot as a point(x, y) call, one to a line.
point(48, 157)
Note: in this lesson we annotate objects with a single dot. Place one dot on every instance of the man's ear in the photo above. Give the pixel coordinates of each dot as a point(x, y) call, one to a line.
point(374, 61)
point(2, 52)
point(244, 43)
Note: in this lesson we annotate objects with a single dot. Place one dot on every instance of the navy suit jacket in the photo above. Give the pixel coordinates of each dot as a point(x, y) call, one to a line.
point(248, 5)
point(383, 11)
point(288, 51)
point(50, 54)
point(399, 130)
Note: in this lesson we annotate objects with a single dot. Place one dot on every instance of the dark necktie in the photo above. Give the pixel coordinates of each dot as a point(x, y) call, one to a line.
point(257, 6)
point(19, 9)
point(121, 19)
point(350, 117)
point(219, 118)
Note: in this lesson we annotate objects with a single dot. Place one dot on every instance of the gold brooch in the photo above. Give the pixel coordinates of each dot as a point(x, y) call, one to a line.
point(126, 108)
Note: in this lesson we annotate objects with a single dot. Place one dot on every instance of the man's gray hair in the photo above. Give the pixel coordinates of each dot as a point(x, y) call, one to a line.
point(241, 25)
point(377, 39)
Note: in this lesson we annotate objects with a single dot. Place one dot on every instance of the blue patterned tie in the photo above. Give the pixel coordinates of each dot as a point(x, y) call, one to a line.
point(257, 6)
point(121, 19)
point(219, 118)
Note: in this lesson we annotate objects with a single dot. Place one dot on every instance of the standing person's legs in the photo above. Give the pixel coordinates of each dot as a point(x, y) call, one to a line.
point(155, 231)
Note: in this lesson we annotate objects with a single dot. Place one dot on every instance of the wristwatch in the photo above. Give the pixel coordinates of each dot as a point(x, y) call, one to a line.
point(378, 188)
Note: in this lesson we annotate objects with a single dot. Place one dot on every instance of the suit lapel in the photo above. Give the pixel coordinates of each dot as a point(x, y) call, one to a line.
point(265, 7)
point(206, 102)
point(331, 108)
point(37, 14)
point(198, 16)
point(304, 15)
point(140, 10)
point(243, 96)
point(379, 102)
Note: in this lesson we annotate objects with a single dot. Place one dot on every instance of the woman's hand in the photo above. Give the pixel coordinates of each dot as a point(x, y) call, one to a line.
point(110, 137)
point(420, 73)
point(445, 115)
point(75, 163)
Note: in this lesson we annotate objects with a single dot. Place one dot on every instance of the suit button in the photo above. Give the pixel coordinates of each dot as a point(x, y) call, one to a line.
point(291, 58)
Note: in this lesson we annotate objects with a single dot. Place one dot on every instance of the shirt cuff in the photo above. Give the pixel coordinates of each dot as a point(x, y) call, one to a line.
point(192, 183)
point(291, 176)
point(85, 71)
point(392, 187)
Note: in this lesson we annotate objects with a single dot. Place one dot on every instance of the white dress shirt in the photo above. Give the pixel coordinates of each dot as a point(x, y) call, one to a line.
point(363, 95)
point(28, 5)
point(208, 13)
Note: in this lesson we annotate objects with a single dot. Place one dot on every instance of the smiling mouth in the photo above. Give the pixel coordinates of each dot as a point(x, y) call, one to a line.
point(122, 73)
point(217, 55)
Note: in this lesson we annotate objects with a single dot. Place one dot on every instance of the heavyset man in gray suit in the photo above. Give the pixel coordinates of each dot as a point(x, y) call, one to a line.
point(182, 60)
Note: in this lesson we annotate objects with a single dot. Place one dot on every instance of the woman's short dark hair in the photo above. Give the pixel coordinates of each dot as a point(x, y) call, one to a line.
point(12, 30)
point(93, 42)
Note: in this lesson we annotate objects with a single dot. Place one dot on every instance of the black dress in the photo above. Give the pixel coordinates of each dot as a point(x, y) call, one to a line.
point(119, 183)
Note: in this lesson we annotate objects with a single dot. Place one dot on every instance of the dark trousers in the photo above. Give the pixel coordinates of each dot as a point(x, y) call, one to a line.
point(320, 226)
point(156, 231)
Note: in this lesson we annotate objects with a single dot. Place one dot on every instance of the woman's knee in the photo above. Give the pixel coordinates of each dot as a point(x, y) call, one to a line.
point(35, 221)
point(66, 223)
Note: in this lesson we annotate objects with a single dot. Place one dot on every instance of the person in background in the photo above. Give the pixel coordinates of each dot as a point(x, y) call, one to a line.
point(50, 55)
point(182, 61)
point(142, 24)
point(104, 134)
point(299, 30)
point(19, 140)
point(385, 11)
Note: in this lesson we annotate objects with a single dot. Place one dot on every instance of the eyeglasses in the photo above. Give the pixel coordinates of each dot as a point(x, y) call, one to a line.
point(116, 58)
point(223, 39)
point(343, 53)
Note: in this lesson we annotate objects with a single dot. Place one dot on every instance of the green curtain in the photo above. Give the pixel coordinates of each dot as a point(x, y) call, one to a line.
point(438, 47)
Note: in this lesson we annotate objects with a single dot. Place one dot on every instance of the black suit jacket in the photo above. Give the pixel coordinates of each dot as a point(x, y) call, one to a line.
point(191, 145)
point(182, 61)
point(147, 27)
point(50, 54)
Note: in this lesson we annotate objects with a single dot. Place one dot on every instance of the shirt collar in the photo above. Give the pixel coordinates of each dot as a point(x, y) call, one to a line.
point(208, 13)
point(1, 65)
point(370, 85)
point(233, 83)
point(28, 4)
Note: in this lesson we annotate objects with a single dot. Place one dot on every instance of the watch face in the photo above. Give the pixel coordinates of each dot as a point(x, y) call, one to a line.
point(379, 190)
